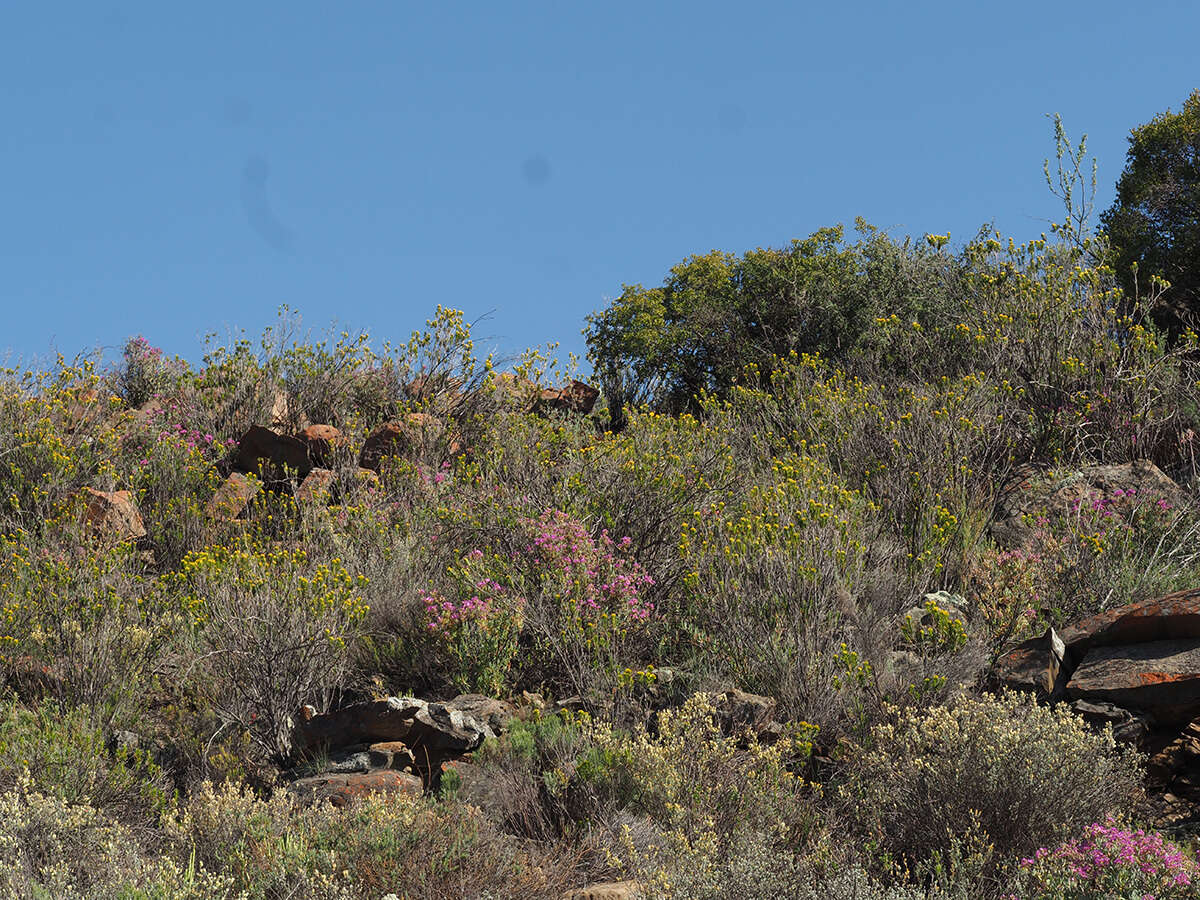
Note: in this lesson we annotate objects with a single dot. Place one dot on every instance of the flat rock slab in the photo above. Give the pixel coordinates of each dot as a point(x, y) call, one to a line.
point(1162, 677)
point(1173, 617)
point(342, 789)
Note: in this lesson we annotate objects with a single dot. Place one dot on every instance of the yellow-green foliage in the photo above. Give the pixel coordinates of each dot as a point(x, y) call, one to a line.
point(1020, 774)
point(82, 615)
point(274, 630)
point(706, 798)
point(769, 571)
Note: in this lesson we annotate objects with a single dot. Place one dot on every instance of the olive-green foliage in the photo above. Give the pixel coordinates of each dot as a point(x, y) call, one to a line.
point(1153, 225)
point(273, 849)
point(716, 313)
point(1018, 775)
point(59, 751)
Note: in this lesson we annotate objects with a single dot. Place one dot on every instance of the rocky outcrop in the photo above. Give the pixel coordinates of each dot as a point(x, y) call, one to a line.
point(400, 438)
point(1033, 495)
point(609, 890)
point(434, 732)
point(339, 790)
point(1160, 677)
point(232, 497)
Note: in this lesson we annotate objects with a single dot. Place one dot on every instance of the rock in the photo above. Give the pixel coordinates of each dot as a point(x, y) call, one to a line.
point(1033, 496)
point(262, 449)
point(434, 732)
point(401, 438)
point(492, 715)
point(315, 486)
point(233, 496)
point(533, 700)
point(321, 443)
point(1162, 677)
point(610, 890)
point(349, 762)
point(738, 712)
point(1130, 727)
point(1035, 665)
point(340, 790)
point(113, 516)
point(576, 397)
point(396, 754)
point(1174, 616)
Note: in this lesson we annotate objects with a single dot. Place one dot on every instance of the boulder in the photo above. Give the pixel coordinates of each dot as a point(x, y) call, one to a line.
point(434, 732)
point(1127, 726)
point(340, 790)
point(1033, 495)
point(492, 715)
point(315, 486)
point(1174, 616)
point(261, 448)
point(1161, 677)
point(1035, 665)
point(738, 712)
point(399, 438)
point(233, 496)
point(113, 516)
point(576, 397)
point(321, 443)
point(609, 890)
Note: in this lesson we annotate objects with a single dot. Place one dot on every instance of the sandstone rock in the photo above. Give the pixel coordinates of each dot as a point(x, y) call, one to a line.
point(738, 712)
point(340, 790)
point(1166, 618)
point(1127, 726)
point(321, 443)
point(399, 438)
point(576, 397)
point(233, 496)
point(315, 486)
point(1162, 677)
point(611, 890)
point(1035, 665)
point(492, 715)
point(434, 732)
point(261, 448)
point(113, 516)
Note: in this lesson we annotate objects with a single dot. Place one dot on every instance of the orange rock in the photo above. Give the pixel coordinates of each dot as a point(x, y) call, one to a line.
point(113, 515)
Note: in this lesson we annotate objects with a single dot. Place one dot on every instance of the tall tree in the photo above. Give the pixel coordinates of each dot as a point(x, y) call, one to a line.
point(1154, 224)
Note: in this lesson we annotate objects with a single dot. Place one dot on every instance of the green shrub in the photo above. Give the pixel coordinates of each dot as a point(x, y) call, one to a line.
point(54, 849)
point(1018, 774)
point(64, 754)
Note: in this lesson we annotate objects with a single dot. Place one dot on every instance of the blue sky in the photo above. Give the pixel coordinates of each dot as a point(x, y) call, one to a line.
point(176, 169)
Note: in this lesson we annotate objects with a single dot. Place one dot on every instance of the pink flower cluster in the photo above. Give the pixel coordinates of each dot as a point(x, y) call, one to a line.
point(599, 572)
point(444, 615)
point(1107, 853)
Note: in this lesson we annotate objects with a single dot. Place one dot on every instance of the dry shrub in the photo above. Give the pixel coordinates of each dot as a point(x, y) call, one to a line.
point(1018, 775)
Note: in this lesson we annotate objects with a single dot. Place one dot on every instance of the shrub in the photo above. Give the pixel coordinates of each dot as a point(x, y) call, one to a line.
point(53, 849)
point(705, 803)
point(1023, 775)
point(61, 752)
point(1109, 861)
point(79, 613)
point(144, 372)
point(274, 849)
point(274, 633)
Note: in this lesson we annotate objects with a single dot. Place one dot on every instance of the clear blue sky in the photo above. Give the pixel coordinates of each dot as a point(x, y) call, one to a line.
point(172, 169)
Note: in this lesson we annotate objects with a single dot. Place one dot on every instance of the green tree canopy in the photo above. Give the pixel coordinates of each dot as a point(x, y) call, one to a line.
point(1154, 224)
point(717, 313)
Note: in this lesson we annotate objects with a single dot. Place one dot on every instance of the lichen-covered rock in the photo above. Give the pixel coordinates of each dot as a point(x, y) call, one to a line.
point(1162, 677)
